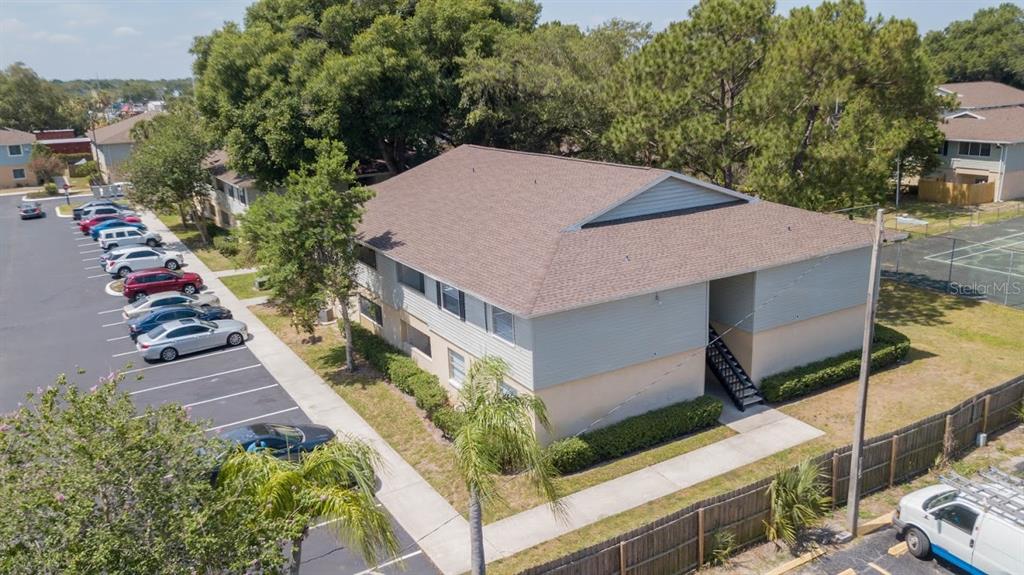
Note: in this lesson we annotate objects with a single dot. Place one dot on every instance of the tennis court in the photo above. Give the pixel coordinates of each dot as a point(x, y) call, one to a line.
point(983, 262)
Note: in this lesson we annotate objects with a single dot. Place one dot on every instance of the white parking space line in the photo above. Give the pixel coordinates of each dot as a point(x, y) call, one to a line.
point(119, 338)
point(174, 383)
point(97, 276)
point(113, 324)
point(109, 311)
point(180, 361)
point(392, 562)
point(96, 251)
point(229, 395)
point(251, 419)
point(125, 353)
point(90, 268)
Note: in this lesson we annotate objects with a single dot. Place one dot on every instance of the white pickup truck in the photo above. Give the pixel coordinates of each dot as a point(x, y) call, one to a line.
point(977, 526)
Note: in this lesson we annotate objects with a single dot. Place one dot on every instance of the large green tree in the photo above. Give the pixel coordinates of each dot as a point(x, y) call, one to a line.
point(166, 165)
point(28, 102)
point(90, 485)
point(303, 238)
point(989, 46)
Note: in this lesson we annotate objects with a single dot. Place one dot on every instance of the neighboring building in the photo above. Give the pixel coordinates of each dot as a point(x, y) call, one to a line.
point(231, 193)
point(64, 141)
point(597, 282)
point(983, 155)
point(112, 144)
point(15, 154)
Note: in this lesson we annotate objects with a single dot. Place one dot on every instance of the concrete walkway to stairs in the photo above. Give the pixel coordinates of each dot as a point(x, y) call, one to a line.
point(443, 533)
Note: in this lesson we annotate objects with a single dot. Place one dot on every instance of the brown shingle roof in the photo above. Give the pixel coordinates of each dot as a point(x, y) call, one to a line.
point(1000, 125)
point(12, 137)
point(500, 225)
point(217, 164)
point(121, 132)
point(984, 94)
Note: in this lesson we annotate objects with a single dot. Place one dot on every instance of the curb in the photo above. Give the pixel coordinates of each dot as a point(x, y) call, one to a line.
point(799, 561)
point(110, 291)
point(25, 198)
point(56, 212)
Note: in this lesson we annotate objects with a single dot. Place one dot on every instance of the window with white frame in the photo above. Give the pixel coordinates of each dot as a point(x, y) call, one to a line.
point(456, 368)
point(15, 150)
point(503, 324)
point(18, 173)
point(371, 310)
point(451, 299)
point(243, 196)
point(411, 278)
point(975, 149)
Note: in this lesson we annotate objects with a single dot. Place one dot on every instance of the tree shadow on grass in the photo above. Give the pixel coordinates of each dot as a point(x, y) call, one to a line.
point(918, 303)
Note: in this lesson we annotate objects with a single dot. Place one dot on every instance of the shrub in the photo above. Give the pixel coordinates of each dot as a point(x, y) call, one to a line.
point(888, 347)
point(50, 188)
point(449, 420)
point(429, 394)
point(635, 433)
point(87, 170)
point(226, 245)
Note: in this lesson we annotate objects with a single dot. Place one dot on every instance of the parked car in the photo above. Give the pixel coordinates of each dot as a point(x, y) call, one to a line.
point(165, 314)
point(105, 210)
point(141, 283)
point(977, 526)
point(30, 210)
point(284, 441)
point(76, 213)
point(114, 223)
point(86, 225)
point(146, 304)
point(140, 258)
point(120, 237)
point(183, 336)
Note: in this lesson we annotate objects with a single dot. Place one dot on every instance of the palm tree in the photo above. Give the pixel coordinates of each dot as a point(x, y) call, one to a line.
point(498, 435)
point(332, 483)
point(798, 499)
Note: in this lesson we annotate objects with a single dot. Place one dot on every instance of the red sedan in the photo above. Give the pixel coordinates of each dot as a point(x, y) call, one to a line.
point(140, 283)
point(86, 226)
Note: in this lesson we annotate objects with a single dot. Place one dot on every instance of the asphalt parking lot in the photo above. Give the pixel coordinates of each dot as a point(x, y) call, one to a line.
point(57, 318)
point(880, 553)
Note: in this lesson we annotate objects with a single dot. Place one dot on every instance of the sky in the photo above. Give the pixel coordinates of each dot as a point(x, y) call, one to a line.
point(150, 38)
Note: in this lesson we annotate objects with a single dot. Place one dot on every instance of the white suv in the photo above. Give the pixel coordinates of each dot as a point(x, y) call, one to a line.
point(119, 237)
point(124, 261)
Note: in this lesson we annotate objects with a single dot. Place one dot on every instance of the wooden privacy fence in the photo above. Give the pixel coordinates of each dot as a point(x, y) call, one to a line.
point(958, 194)
point(683, 541)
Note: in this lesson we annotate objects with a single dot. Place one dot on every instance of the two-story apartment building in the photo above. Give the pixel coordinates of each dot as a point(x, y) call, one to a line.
point(597, 282)
point(15, 153)
point(231, 192)
point(983, 155)
point(113, 143)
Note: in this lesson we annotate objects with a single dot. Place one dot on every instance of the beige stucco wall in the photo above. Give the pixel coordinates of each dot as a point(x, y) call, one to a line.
point(1013, 186)
point(7, 177)
point(573, 405)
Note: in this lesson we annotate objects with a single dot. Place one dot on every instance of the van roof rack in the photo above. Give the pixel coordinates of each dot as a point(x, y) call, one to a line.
point(1001, 493)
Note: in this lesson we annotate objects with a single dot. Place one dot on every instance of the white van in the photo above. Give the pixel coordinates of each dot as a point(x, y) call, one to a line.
point(127, 236)
point(977, 526)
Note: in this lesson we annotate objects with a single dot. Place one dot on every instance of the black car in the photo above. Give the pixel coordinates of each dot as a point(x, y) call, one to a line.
point(147, 322)
point(76, 213)
point(29, 210)
point(285, 441)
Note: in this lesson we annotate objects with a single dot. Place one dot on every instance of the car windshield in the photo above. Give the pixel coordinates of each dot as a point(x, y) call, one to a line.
point(941, 499)
point(286, 432)
point(156, 332)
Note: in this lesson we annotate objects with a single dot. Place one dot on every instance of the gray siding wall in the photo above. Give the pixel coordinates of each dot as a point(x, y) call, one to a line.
point(470, 335)
point(583, 342)
point(732, 300)
point(665, 196)
point(840, 281)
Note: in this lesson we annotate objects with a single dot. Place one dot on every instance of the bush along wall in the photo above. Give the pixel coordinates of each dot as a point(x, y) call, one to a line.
point(888, 347)
point(402, 371)
point(634, 434)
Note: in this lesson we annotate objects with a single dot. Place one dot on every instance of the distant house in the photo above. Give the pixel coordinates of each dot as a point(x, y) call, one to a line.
point(231, 193)
point(601, 285)
point(64, 141)
point(15, 153)
point(112, 144)
point(983, 154)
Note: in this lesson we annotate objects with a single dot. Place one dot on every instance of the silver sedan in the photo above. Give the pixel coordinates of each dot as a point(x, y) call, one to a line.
point(146, 304)
point(179, 337)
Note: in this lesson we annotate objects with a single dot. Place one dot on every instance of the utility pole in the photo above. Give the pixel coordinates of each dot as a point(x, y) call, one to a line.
point(853, 495)
point(899, 178)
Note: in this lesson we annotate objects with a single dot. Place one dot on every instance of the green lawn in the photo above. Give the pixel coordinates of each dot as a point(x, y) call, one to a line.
point(242, 285)
point(66, 210)
point(944, 218)
point(395, 416)
point(213, 259)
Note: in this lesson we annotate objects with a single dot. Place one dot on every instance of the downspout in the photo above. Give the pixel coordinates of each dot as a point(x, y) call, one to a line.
point(1002, 172)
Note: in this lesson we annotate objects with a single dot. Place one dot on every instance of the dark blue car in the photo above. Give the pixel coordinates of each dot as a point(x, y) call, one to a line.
point(147, 322)
point(95, 230)
point(282, 440)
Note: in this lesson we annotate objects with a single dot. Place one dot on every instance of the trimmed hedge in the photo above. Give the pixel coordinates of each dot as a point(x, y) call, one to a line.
point(409, 378)
point(888, 347)
point(634, 434)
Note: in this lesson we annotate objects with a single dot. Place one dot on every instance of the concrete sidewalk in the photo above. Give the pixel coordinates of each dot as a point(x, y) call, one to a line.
point(234, 272)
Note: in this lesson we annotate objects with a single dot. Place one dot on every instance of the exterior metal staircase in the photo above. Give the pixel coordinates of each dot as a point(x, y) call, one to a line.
point(730, 373)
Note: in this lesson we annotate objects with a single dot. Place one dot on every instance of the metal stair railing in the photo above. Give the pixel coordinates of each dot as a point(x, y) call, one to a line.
point(730, 373)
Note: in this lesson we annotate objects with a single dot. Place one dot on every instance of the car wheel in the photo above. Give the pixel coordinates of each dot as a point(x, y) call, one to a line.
point(152, 243)
point(169, 354)
point(917, 543)
point(188, 289)
point(235, 339)
point(110, 247)
point(138, 296)
point(172, 264)
point(123, 272)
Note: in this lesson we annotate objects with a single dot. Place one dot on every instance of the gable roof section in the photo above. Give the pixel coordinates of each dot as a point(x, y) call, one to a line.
point(120, 132)
point(217, 164)
point(997, 125)
point(505, 226)
point(12, 137)
point(974, 95)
